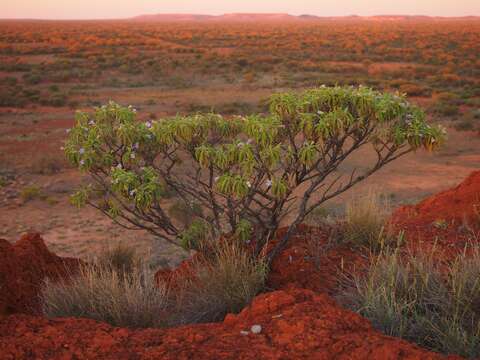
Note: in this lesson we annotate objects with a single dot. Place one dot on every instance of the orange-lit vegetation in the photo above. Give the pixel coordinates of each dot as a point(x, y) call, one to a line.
point(63, 64)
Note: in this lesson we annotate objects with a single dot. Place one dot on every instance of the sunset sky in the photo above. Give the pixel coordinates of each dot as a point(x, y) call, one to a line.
point(90, 9)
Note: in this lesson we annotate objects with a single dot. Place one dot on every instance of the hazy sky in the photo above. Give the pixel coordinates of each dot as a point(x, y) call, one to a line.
point(90, 9)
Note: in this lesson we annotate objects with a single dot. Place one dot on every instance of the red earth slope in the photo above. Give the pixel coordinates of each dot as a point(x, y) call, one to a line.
point(23, 266)
point(450, 218)
point(299, 319)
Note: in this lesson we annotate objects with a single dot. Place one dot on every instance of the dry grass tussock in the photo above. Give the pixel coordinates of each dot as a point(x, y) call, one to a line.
point(121, 290)
point(433, 303)
point(365, 221)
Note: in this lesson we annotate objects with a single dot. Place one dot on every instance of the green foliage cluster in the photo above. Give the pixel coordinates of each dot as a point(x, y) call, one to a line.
point(241, 169)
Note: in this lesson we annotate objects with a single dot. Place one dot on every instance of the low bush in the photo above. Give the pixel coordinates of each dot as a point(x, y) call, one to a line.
point(445, 109)
point(419, 298)
point(466, 124)
point(47, 165)
point(32, 192)
point(415, 90)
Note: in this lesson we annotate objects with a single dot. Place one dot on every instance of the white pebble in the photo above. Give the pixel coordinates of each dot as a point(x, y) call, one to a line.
point(243, 332)
point(256, 329)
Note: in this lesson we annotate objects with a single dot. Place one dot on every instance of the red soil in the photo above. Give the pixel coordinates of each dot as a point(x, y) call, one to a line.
point(299, 319)
point(450, 218)
point(296, 324)
point(301, 266)
point(23, 266)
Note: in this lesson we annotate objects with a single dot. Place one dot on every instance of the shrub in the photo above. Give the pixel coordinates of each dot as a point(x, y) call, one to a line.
point(422, 299)
point(247, 168)
point(466, 124)
point(31, 192)
point(444, 109)
point(47, 165)
point(365, 220)
point(415, 90)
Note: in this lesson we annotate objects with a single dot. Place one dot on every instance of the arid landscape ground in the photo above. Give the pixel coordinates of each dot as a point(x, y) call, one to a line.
point(50, 69)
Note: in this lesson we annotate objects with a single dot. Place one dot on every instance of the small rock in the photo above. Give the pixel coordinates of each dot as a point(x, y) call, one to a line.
point(256, 329)
point(243, 332)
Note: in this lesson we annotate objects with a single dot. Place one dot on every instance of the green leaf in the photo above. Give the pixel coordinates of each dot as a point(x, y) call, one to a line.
point(279, 188)
point(308, 153)
point(244, 230)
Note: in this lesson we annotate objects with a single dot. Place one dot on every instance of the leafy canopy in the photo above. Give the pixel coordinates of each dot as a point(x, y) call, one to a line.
point(248, 173)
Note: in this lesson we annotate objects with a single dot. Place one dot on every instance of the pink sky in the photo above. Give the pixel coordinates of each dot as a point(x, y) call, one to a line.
point(94, 9)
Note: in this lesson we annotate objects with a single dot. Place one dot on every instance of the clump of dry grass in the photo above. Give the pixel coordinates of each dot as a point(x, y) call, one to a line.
point(120, 290)
point(120, 257)
point(105, 294)
point(48, 165)
point(434, 304)
point(365, 220)
point(225, 282)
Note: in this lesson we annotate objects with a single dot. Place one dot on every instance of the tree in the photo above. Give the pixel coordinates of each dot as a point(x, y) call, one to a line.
point(246, 174)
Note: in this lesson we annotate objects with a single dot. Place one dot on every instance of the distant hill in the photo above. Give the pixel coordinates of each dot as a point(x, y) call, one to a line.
point(239, 17)
point(280, 17)
point(263, 17)
point(173, 17)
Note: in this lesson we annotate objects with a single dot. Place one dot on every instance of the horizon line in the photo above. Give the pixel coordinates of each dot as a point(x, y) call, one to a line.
point(237, 13)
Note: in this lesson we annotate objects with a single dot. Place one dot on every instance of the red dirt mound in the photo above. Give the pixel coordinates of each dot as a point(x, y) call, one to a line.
point(450, 217)
point(295, 324)
point(309, 262)
point(23, 266)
